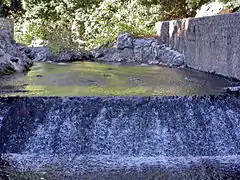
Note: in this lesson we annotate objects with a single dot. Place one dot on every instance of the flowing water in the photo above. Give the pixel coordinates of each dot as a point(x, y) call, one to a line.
point(116, 128)
point(116, 137)
point(93, 79)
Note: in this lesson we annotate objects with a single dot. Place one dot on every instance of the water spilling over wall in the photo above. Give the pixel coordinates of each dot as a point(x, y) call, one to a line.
point(129, 126)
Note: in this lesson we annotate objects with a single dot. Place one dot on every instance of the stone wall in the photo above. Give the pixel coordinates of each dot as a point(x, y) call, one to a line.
point(209, 43)
point(6, 24)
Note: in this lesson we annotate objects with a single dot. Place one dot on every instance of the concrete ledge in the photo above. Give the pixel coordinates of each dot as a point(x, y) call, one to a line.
point(122, 137)
point(209, 44)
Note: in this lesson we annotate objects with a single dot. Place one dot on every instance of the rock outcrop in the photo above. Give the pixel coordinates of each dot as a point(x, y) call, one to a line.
point(37, 54)
point(70, 56)
point(11, 58)
point(149, 50)
point(43, 54)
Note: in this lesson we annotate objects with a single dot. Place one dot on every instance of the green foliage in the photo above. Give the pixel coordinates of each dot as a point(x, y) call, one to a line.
point(26, 31)
point(232, 4)
point(55, 9)
point(62, 24)
point(56, 34)
point(105, 22)
point(176, 9)
point(3, 6)
point(9, 7)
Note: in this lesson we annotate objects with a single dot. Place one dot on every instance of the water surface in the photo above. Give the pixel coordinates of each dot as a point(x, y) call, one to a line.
point(89, 78)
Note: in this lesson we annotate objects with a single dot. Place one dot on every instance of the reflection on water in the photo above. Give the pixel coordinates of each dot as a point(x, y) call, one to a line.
point(88, 78)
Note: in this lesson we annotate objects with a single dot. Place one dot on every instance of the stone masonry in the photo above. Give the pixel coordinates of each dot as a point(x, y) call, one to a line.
point(209, 44)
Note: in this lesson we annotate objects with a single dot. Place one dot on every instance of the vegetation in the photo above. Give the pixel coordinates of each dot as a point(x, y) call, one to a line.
point(75, 24)
point(8, 7)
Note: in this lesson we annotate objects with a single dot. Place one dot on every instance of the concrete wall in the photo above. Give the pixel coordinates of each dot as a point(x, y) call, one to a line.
point(209, 43)
point(6, 24)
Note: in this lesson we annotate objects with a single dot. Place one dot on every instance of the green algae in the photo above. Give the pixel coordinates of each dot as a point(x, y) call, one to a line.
point(89, 78)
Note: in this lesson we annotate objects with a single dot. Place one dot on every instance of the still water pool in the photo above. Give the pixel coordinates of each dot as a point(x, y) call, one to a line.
point(89, 78)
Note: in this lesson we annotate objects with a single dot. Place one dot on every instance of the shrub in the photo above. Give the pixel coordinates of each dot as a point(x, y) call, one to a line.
point(65, 24)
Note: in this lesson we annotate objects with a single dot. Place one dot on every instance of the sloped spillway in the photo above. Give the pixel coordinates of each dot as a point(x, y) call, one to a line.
point(89, 134)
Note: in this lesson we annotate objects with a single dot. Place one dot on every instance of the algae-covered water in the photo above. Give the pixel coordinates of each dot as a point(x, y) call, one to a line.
point(89, 78)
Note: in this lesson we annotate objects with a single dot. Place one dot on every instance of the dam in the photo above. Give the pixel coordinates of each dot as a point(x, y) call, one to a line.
point(92, 120)
point(105, 137)
point(192, 132)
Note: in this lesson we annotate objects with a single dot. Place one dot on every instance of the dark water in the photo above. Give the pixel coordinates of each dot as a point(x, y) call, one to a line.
point(88, 78)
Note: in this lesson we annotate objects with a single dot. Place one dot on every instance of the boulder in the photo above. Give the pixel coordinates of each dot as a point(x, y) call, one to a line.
point(70, 56)
point(37, 54)
point(148, 50)
point(233, 90)
point(11, 58)
point(124, 40)
point(43, 54)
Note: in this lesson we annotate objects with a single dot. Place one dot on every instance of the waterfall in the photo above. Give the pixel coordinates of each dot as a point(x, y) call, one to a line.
point(125, 126)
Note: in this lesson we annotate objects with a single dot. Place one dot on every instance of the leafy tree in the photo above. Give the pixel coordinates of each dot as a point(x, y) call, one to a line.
point(8, 7)
point(55, 9)
point(62, 23)
point(234, 5)
point(174, 9)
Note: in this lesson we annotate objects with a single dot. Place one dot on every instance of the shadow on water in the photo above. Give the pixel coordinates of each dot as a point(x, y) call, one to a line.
point(88, 78)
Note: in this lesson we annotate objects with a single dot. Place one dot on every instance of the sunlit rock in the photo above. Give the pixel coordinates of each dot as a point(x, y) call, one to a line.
point(11, 58)
point(148, 50)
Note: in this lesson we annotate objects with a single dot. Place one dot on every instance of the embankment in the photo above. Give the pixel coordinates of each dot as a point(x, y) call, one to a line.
point(208, 43)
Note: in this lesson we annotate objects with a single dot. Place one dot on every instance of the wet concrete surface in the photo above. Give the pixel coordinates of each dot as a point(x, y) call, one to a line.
point(124, 168)
point(121, 137)
point(90, 79)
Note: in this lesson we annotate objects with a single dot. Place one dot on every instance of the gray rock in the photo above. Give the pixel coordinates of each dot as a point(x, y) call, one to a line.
point(233, 90)
point(124, 40)
point(11, 58)
point(2, 53)
point(172, 57)
point(144, 42)
point(105, 54)
point(147, 50)
point(70, 56)
point(43, 54)
point(37, 54)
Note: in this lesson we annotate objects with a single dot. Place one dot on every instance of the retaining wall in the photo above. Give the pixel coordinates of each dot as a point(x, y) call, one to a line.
point(209, 43)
